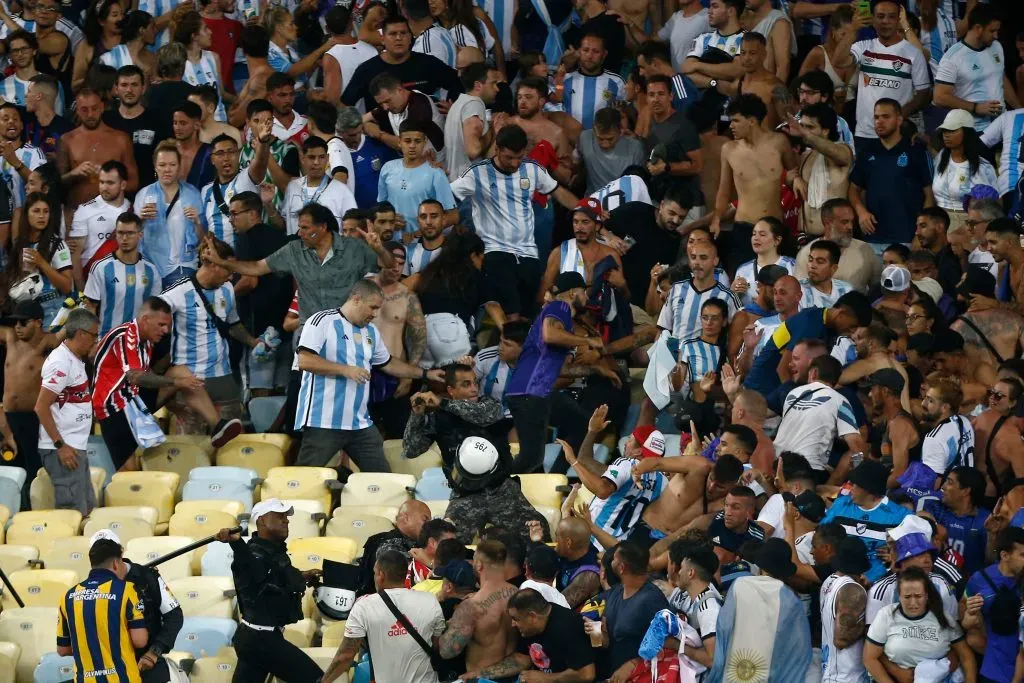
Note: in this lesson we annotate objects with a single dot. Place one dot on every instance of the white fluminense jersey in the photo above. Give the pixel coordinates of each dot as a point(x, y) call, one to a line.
point(95, 221)
point(196, 343)
point(217, 217)
point(897, 72)
point(838, 666)
point(120, 289)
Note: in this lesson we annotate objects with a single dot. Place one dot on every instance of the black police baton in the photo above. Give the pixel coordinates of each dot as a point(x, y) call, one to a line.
point(176, 553)
point(14, 593)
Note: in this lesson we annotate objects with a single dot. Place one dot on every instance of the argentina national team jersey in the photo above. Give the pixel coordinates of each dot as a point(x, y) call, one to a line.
point(120, 288)
point(681, 313)
point(939, 39)
point(282, 59)
point(976, 75)
point(949, 444)
point(618, 513)
point(503, 204)
point(205, 72)
point(570, 260)
point(749, 270)
point(32, 157)
point(117, 56)
point(713, 39)
point(628, 188)
point(195, 342)
point(502, 13)
point(492, 374)
point(216, 217)
point(418, 257)
point(1008, 130)
point(700, 358)
point(338, 402)
point(14, 90)
point(158, 8)
point(586, 95)
point(438, 42)
point(815, 298)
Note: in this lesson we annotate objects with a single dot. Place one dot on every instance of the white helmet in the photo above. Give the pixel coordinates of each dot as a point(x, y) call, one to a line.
point(175, 671)
point(27, 288)
point(475, 463)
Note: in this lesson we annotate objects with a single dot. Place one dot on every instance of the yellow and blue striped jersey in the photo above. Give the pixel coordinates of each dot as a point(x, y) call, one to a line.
point(94, 621)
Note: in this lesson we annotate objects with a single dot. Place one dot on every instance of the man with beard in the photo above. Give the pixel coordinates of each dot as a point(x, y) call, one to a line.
point(859, 265)
point(132, 118)
point(531, 96)
point(872, 344)
point(672, 142)
point(94, 222)
point(289, 126)
point(1003, 238)
point(230, 181)
point(950, 441)
point(821, 288)
point(971, 236)
point(18, 158)
point(82, 151)
point(427, 247)
point(186, 122)
point(590, 88)
point(680, 314)
point(467, 135)
point(583, 252)
point(932, 225)
point(901, 442)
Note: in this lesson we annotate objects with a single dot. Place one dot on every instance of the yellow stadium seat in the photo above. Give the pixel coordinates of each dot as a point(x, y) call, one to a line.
point(304, 524)
point(213, 670)
point(205, 596)
point(385, 511)
point(115, 513)
point(156, 489)
point(126, 528)
point(333, 633)
point(9, 655)
point(192, 507)
point(414, 466)
point(17, 557)
point(32, 629)
point(41, 489)
point(300, 633)
point(255, 455)
point(145, 550)
point(438, 508)
point(309, 553)
point(177, 457)
point(201, 523)
point(38, 533)
point(40, 587)
point(553, 515)
point(377, 488)
point(72, 518)
point(350, 523)
point(584, 495)
point(321, 655)
point(5, 515)
point(299, 482)
point(539, 489)
point(282, 441)
point(67, 553)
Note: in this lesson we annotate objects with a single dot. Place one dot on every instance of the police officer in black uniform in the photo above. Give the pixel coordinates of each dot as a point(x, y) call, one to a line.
point(162, 613)
point(269, 592)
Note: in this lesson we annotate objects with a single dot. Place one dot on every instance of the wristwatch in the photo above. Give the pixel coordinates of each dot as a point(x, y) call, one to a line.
point(58, 444)
point(713, 83)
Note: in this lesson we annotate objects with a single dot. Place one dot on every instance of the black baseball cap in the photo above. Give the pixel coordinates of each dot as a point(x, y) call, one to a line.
point(459, 572)
point(810, 505)
point(888, 378)
point(27, 310)
point(977, 280)
point(769, 275)
point(871, 476)
point(570, 280)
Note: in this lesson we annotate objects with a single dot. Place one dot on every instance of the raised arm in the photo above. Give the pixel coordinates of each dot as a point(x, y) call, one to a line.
point(851, 602)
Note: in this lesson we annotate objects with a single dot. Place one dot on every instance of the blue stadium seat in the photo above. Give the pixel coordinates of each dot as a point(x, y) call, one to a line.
point(215, 490)
point(10, 494)
point(224, 474)
point(99, 456)
point(263, 411)
point(629, 423)
point(361, 674)
point(432, 473)
point(433, 488)
point(216, 560)
point(666, 423)
point(15, 474)
point(204, 636)
point(551, 451)
point(53, 668)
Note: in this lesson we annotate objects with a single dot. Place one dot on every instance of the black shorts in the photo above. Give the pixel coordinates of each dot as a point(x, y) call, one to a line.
point(512, 281)
point(118, 436)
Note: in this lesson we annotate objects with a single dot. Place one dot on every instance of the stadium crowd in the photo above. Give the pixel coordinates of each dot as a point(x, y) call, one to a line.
point(749, 273)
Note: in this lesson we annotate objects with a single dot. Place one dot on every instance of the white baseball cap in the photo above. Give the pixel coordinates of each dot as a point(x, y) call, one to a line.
point(896, 278)
point(104, 535)
point(271, 505)
point(957, 119)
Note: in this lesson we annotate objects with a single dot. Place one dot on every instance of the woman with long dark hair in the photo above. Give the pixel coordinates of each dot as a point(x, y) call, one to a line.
point(769, 240)
point(102, 34)
point(451, 291)
point(469, 26)
point(138, 33)
point(959, 166)
point(40, 250)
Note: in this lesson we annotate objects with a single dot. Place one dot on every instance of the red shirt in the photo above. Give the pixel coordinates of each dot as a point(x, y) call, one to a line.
point(120, 351)
point(226, 35)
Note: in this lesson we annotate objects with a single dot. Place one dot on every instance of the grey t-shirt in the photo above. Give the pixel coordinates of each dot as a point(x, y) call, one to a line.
point(603, 167)
point(455, 146)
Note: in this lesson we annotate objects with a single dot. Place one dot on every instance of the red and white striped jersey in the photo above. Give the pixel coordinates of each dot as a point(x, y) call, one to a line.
point(120, 351)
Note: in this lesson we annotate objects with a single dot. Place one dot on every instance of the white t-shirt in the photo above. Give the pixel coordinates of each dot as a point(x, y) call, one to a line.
point(330, 193)
point(95, 221)
point(812, 416)
point(771, 514)
point(1007, 130)
point(909, 641)
point(64, 374)
point(949, 444)
point(955, 182)
point(349, 58)
point(897, 72)
point(976, 75)
point(680, 32)
point(464, 108)
point(549, 592)
point(338, 154)
point(397, 658)
point(984, 258)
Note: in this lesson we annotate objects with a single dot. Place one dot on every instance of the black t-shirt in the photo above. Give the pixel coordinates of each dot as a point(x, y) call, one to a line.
point(950, 270)
point(267, 304)
point(608, 27)
point(46, 138)
point(161, 100)
point(563, 644)
point(653, 245)
point(678, 136)
point(422, 72)
point(143, 132)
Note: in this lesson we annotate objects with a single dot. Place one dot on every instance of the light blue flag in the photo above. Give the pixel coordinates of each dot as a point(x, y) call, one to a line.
point(770, 642)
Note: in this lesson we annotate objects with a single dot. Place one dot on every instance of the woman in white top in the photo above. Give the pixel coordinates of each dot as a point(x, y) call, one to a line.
point(912, 631)
point(102, 33)
point(767, 240)
point(39, 249)
point(203, 65)
point(959, 166)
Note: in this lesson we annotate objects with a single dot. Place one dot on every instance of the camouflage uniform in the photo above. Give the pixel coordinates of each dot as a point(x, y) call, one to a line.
point(504, 505)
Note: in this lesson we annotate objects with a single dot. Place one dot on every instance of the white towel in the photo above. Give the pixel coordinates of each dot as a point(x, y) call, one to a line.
point(657, 381)
point(144, 426)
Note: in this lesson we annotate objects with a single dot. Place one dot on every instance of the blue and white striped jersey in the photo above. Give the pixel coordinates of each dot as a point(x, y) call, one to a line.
point(949, 444)
point(700, 358)
point(337, 402)
point(281, 60)
point(815, 298)
point(117, 56)
point(939, 39)
point(570, 260)
point(195, 341)
point(418, 257)
point(32, 157)
point(748, 271)
point(587, 95)
point(120, 288)
point(729, 44)
point(503, 204)
point(1007, 130)
point(492, 374)
point(628, 188)
point(158, 8)
point(205, 72)
point(438, 42)
point(217, 218)
point(14, 90)
point(501, 12)
point(681, 313)
point(618, 513)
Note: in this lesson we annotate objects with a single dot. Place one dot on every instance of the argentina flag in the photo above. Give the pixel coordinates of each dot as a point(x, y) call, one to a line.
point(771, 643)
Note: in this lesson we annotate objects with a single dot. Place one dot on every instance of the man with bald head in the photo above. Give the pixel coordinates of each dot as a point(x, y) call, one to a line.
point(408, 524)
point(681, 313)
point(750, 409)
point(786, 295)
point(579, 571)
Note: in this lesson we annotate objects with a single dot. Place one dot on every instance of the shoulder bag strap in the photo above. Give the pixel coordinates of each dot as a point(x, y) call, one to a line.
point(970, 323)
point(799, 398)
point(989, 467)
point(222, 327)
point(404, 621)
point(170, 204)
point(218, 196)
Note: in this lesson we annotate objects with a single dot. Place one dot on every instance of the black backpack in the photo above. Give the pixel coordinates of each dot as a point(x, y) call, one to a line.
point(1004, 613)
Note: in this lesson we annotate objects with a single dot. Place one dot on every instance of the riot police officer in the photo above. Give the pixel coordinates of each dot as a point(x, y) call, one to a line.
point(162, 614)
point(269, 593)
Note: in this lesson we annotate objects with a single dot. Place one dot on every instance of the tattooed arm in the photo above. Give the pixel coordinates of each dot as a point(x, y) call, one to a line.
point(851, 603)
point(149, 380)
point(415, 333)
point(342, 659)
point(512, 665)
point(585, 586)
point(782, 101)
point(459, 632)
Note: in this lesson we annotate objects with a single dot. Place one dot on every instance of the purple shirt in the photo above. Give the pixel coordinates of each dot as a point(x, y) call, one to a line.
point(540, 364)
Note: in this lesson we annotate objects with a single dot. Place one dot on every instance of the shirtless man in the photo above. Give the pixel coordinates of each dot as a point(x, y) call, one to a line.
point(633, 14)
point(480, 626)
point(990, 335)
point(255, 42)
point(400, 321)
point(82, 151)
point(207, 98)
point(872, 344)
point(583, 251)
point(997, 449)
point(759, 81)
point(531, 96)
point(753, 164)
point(27, 347)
